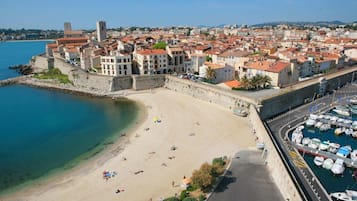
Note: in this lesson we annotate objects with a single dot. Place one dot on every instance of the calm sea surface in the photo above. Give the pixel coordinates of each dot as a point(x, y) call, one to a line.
point(46, 131)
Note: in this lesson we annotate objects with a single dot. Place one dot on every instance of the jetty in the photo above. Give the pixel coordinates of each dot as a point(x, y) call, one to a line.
point(11, 81)
point(308, 150)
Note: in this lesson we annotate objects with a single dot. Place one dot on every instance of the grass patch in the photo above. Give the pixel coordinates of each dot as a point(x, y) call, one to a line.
point(54, 74)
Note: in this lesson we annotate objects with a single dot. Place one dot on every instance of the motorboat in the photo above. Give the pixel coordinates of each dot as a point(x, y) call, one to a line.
point(354, 155)
point(333, 148)
point(319, 160)
point(348, 195)
point(310, 122)
point(339, 131)
point(342, 112)
point(354, 134)
point(318, 124)
point(353, 100)
point(349, 131)
point(297, 136)
point(306, 141)
point(325, 127)
point(314, 144)
point(313, 116)
point(328, 163)
point(333, 118)
point(324, 145)
point(344, 151)
point(338, 167)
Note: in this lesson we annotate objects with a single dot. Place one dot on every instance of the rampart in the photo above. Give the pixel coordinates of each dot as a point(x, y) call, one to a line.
point(209, 93)
point(40, 63)
point(142, 82)
point(273, 160)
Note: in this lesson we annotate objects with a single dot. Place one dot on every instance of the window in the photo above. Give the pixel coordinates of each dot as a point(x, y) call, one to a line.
point(125, 67)
point(112, 60)
point(118, 60)
point(124, 72)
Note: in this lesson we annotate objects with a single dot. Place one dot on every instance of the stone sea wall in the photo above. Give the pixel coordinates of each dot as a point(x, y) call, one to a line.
point(143, 82)
point(40, 63)
point(208, 93)
point(273, 160)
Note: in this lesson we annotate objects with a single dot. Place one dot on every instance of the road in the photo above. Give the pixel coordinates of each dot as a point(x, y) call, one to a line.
point(279, 126)
point(248, 179)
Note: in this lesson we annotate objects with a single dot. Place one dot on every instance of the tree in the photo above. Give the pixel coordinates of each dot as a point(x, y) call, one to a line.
point(266, 80)
point(189, 199)
point(203, 177)
point(245, 82)
point(210, 74)
point(160, 45)
point(208, 58)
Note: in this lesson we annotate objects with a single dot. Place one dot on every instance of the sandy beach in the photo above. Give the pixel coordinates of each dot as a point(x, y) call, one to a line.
point(147, 166)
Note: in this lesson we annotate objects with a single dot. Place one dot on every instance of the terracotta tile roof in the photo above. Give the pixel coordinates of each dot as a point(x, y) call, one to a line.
point(213, 65)
point(151, 52)
point(72, 39)
point(233, 83)
point(274, 67)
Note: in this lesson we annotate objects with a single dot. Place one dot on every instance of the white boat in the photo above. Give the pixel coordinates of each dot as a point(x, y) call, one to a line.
point(319, 160)
point(324, 145)
point(354, 134)
point(310, 122)
point(328, 163)
point(334, 119)
point(354, 155)
point(353, 100)
point(344, 151)
point(314, 144)
point(348, 195)
point(325, 127)
point(318, 124)
point(313, 116)
point(301, 127)
point(338, 167)
point(347, 121)
point(306, 141)
point(339, 131)
point(342, 112)
point(349, 131)
point(333, 147)
point(297, 136)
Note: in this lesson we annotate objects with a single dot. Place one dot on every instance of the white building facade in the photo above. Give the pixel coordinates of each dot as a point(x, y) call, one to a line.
point(151, 61)
point(116, 65)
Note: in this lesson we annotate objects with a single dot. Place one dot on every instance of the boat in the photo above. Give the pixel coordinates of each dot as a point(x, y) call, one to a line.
point(354, 155)
point(339, 131)
point(297, 136)
point(354, 134)
point(353, 100)
point(342, 112)
point(313, 117)
point(344, 151)
point(314, 144)
point(328, 163)
point(348, 195)
point(325, 127)
point(306, 141)
point(333, 119)
point(324, 145)
point(310, 122)
point(318, 124)
point(319, 160)
point(338, 167)
point(353, 111)
point(333, 147)
point(349, 131)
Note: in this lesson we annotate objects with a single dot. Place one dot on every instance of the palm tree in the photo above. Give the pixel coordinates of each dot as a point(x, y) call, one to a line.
point(266, 80)
point(245, 82)
point(210, 74)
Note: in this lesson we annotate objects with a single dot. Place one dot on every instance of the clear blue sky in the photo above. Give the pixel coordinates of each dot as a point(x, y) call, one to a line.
point(51, 14)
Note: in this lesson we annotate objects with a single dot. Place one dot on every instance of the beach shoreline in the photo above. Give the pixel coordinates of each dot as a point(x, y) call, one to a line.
point(144, 159)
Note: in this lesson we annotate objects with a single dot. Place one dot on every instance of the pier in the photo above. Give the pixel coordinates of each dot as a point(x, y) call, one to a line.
point(305, 149)
point(11, 81)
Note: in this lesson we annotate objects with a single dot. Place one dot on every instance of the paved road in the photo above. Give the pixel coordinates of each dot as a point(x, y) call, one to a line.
point(247, 180)
point(309, 186)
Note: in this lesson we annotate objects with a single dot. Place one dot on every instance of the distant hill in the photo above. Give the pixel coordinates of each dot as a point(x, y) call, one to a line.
point(318, 23)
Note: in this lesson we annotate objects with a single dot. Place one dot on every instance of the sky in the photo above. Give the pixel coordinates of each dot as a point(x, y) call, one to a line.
point(83, 14)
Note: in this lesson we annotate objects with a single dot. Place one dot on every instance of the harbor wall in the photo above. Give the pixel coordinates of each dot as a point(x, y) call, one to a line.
point(293, 97)
point(273, 160)
point(208, 93)
point(41, 63)
point(142, 82)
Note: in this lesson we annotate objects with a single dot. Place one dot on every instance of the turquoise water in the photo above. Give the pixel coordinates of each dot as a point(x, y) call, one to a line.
point(44, 131)
point(15, 53)
point(331, 182)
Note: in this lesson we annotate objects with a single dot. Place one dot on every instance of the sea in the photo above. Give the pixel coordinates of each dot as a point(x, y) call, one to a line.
point(332, 183)
point(46, 132)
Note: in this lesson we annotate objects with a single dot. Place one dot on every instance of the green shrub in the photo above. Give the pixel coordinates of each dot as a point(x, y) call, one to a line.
point(183, 195)
point(219, 161)
point(172, 199)
point(201, 197)
point(189, 199)
point(191, 188)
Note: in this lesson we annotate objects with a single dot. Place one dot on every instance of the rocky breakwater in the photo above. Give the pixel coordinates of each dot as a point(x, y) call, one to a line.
point(11, 81)
point(23, 69)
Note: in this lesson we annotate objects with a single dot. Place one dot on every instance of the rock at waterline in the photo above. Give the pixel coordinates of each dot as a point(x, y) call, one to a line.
point(22, 69)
